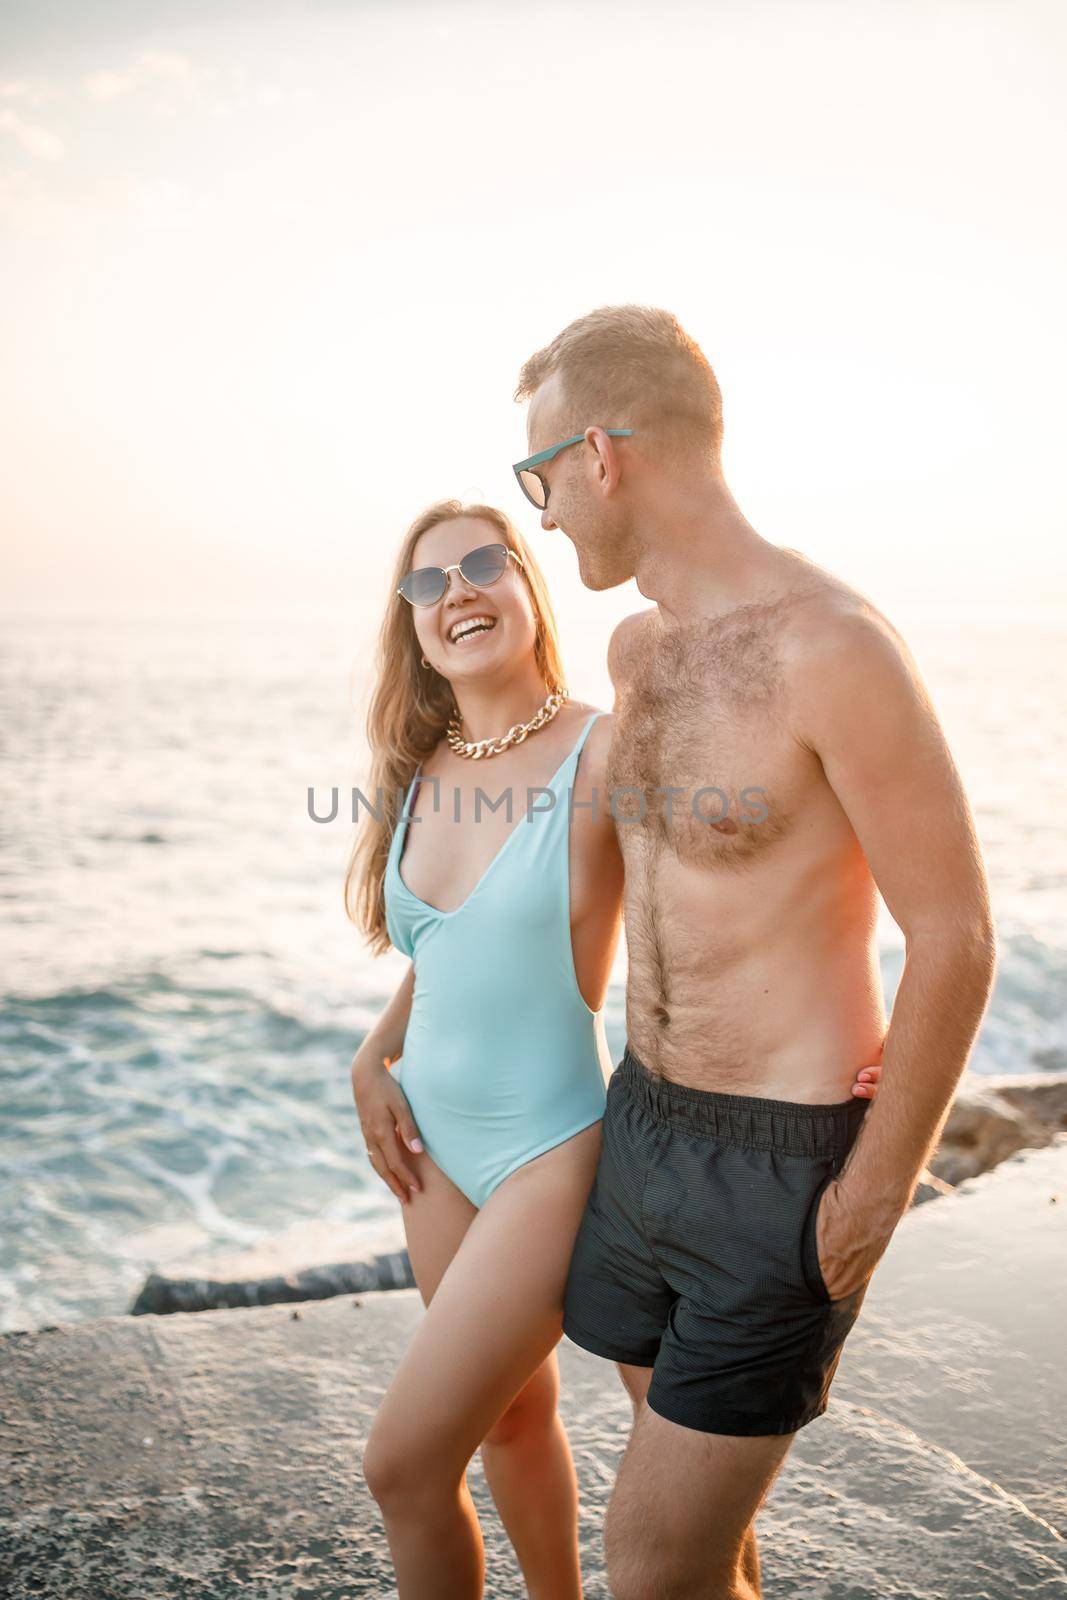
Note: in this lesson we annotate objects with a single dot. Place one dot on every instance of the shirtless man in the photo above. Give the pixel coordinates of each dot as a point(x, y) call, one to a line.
point(775, 763)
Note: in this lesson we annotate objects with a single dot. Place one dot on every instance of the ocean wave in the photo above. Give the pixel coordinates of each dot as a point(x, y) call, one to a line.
point(208, 1094)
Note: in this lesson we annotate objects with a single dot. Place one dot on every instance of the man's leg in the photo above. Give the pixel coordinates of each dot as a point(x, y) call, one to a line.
point(635, 1511)
point(750, 1339)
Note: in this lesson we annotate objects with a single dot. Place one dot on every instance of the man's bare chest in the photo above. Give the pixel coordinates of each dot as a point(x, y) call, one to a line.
point(703, 760)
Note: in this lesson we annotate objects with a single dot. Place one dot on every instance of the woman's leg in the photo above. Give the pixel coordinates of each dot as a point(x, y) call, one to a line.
point(526, 1454)
point(493, 1320)
point(435, 1222)
point(530, 1471)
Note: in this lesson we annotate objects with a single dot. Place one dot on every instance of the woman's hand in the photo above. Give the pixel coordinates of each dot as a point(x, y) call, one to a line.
point(386, 1120)
point(867, 1080)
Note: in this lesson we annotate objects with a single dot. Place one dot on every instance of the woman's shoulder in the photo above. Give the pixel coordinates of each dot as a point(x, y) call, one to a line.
point(598, 740)
point(582, 710)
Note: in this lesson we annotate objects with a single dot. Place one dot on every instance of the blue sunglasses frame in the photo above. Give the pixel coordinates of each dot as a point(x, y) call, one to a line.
point(519, 467)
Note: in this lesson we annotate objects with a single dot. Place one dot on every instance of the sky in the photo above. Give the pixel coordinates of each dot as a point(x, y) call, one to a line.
point(268, 272)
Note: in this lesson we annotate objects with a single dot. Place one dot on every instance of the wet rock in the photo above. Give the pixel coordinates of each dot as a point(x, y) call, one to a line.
point(310, 1260)
point(993, 1117)
point(161, 1295)
point(1042, 1094)
point(930, 1187)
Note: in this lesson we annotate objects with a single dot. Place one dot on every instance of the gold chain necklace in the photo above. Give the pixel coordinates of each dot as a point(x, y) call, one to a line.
point(477, 749)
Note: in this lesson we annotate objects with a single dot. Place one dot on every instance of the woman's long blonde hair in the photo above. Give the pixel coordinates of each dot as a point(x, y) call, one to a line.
point(410, 707)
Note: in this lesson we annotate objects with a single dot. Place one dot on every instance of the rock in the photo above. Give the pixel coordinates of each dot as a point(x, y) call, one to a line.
point(1042, 1094)
point(161, 1295)
point(310, 1260)
point(930, 1188)
point(993, 1117)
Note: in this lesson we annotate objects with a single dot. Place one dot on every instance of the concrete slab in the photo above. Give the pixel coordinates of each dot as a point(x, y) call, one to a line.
point(218, 1454)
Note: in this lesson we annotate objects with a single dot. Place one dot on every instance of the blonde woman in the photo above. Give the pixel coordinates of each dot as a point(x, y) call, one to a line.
point(481, 1088)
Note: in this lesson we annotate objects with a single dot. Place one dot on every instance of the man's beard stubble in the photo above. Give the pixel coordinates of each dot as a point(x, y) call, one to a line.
point(603, 554)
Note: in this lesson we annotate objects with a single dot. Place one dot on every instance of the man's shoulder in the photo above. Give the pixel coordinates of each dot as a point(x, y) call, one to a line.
point(829, 618)
point(843, 654)
point(624, 637)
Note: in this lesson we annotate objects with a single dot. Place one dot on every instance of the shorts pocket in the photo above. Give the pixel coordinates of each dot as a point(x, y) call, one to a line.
point(809, 1254)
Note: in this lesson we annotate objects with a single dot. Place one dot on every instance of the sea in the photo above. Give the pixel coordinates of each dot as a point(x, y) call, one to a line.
point(181, 993)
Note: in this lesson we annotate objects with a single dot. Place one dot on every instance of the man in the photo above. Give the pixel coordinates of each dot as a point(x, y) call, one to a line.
point(775, 762)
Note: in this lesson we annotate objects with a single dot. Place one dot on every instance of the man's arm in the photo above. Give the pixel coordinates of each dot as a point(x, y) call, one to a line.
point(861, 706)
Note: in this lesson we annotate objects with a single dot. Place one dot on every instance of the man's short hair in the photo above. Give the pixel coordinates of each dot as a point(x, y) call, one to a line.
point(632, 366)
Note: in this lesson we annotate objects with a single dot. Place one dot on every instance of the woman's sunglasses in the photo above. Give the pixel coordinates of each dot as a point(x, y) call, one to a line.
point(424, 586)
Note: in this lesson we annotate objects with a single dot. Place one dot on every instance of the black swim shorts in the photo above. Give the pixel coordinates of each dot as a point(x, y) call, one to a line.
point(696, 1253)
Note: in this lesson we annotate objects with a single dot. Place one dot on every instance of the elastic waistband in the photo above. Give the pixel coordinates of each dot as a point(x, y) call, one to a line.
point(791, 1126)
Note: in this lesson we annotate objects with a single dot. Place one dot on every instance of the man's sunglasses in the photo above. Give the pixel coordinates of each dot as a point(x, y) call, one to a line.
point(532, 484)
point(424, 586)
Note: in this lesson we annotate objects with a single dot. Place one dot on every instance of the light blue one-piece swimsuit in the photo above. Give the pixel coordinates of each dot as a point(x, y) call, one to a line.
point(502, 1058)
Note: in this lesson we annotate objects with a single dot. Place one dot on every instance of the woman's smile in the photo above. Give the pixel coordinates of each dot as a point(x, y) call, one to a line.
point(468, 629)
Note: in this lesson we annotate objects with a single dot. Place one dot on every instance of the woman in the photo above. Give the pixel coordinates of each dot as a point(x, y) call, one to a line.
point(511, 917)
